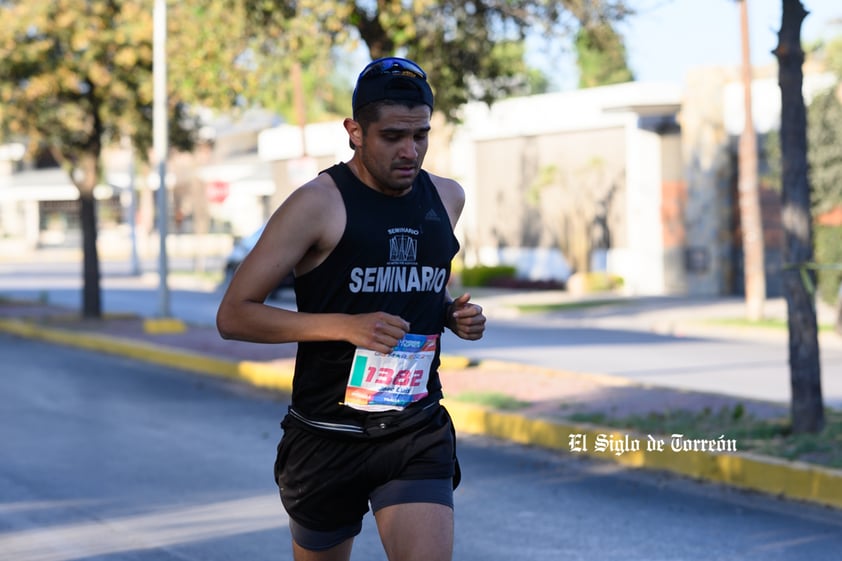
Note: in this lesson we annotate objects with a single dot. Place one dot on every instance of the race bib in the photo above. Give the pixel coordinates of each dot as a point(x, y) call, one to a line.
point(380, 382)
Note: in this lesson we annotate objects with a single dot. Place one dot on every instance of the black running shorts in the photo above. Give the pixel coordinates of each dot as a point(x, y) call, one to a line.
point(326, 481)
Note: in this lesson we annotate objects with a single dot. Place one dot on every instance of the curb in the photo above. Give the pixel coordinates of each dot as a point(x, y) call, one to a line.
point(275, 375)
point(787, 479)
point(792, 480)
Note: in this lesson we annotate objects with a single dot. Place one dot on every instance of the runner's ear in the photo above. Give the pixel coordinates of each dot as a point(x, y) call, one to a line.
point(355, 132)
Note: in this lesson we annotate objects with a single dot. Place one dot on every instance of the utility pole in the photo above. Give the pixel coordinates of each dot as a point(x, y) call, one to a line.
point(304, 167)
point(751, 222)
point(160, 146)
point(298, 102)
point(135, 258)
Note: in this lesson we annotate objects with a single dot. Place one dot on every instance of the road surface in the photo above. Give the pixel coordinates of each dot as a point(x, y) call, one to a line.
point(110, 459)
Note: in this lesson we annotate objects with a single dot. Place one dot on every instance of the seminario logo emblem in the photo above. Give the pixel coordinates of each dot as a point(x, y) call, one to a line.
point(402, 272)
point(403, 249)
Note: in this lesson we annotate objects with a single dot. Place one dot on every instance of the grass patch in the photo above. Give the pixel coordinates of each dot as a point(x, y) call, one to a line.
point(42, 297)
point(492, 400)
point(573, 305)
point(771, 437)
point(778, 324)
point(486, 275)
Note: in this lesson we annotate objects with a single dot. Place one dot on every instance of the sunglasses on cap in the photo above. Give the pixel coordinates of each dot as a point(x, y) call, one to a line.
point(394, 66)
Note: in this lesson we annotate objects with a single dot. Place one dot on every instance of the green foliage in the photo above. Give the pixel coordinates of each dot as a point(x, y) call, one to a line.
point(734, 422)
point(486, 275)
point(771, 170)
point(208, 62)
point(779, 324)
point(828, 53)
point(72, 72)
point(825, 131)
point(601, 56)
point(828, 248)
point(493, 400)
point(833, 55)
point(76, 75)
point(824, 138)
point(578, 304)
point(471, 50)
point(281, 35)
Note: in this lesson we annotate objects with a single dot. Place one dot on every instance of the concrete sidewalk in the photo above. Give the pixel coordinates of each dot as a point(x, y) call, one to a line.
point(544, 404)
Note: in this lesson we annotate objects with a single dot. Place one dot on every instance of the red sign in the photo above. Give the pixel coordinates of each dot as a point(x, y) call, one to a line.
point(218, 191)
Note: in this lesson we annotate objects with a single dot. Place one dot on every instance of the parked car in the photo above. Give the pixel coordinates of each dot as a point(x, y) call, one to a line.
point(242, 248)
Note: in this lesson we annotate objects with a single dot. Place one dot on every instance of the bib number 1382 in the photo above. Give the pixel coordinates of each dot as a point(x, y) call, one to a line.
point(382, 382)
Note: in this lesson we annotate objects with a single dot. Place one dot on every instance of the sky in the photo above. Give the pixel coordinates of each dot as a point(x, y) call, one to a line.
point(668, 37)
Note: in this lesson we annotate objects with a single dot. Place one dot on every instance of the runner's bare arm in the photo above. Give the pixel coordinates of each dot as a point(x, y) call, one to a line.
point(299, 235)
point(452, 195)
point(464, 318)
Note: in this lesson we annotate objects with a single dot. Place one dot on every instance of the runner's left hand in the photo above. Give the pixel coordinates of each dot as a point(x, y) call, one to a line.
point(466, 319)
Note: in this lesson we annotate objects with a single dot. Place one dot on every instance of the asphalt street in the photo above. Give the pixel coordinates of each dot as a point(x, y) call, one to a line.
point(105, 458)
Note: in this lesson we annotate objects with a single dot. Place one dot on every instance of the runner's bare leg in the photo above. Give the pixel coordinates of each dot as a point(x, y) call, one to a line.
point(341, 552)
point(416, 532)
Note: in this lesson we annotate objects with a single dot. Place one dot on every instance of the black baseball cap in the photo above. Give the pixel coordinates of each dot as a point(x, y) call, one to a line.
point(392, 78)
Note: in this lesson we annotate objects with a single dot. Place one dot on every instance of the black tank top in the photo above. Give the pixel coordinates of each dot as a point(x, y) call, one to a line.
point(394, 256)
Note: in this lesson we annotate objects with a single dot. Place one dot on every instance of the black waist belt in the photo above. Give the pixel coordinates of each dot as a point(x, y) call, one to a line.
point(376, 425)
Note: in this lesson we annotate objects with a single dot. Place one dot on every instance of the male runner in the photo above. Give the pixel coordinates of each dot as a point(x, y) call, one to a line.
point(370, 242)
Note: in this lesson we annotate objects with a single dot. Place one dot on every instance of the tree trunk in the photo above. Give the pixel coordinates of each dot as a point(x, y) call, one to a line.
point(805, 369)
point(751, 222)
point(91, 299)
point(88, 176)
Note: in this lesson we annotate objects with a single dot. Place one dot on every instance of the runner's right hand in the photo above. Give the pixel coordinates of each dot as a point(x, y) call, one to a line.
point(377, 331)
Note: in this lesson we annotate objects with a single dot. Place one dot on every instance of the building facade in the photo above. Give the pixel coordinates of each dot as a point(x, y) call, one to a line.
point(637, 180)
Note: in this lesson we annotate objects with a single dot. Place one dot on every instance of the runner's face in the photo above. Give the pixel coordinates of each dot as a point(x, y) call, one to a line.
point(393, 148)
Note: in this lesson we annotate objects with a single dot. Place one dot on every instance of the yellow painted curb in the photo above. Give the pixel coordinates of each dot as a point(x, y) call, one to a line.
point(163, 326)
point(453, 362)
point(794, 480)
point(273, 375)
point(277, 375)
